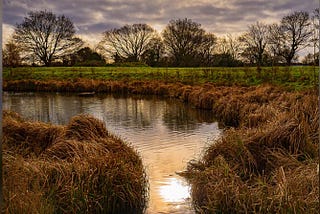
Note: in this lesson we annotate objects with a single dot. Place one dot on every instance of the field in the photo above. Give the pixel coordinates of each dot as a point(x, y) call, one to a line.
point(266, 162)
point(295, 77)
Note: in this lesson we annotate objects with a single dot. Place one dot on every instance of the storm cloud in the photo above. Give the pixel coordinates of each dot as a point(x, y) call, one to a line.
point(93, 17)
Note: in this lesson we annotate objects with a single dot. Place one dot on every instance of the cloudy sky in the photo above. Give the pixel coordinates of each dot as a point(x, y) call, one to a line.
point(92, 17)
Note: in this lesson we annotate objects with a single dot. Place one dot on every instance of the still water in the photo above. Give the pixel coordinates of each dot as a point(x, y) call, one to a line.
point(166, 133)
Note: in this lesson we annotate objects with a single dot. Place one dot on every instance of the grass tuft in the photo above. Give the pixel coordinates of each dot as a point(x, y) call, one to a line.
point(78, 168)
point(268, 163)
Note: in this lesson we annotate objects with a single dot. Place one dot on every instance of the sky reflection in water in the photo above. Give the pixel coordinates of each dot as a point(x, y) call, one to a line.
point(166, 133)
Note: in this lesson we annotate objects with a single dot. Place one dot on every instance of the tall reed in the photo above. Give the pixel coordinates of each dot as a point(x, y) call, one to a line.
point(78, 168)
point(265, 165)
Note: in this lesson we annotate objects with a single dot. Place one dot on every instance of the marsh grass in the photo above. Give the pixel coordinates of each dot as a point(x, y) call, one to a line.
point(265, 162)
point(268, 164)
point(80, 168)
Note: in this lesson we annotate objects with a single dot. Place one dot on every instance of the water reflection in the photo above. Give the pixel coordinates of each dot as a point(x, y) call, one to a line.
point(174, 190)
point(166, 133)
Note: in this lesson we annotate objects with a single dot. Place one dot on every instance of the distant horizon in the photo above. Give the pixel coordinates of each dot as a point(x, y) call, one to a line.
point(92, 18)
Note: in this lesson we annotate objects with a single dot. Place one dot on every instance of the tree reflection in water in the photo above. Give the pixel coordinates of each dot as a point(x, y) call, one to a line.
point(167, 134)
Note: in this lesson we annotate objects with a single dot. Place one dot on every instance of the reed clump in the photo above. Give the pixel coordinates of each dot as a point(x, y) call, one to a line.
point(81, 169)
point(268, 163)
point(26, 137)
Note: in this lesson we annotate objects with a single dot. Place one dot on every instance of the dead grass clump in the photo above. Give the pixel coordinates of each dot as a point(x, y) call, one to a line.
point(297, 188)
point(254, 115)
point(72, 149)
point(248, 150)
point(227, 110)
point(234, 150)
point(159, 89)
point(85, 170)
point(194, 97)
point(265, 159)
point(12, 115)
point(261, 94)
point(21, 190)
point(85, 127)
point(288, 133)
point(218, 189)
point(28, 138)
point(102, 87)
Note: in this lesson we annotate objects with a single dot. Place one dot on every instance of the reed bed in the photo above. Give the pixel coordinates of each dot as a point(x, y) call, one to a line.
point(265, 162)
point(268, 164)
point(77, 168)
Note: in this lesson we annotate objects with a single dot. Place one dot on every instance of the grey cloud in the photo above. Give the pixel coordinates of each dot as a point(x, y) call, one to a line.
point(96, 16)
point(96, 28)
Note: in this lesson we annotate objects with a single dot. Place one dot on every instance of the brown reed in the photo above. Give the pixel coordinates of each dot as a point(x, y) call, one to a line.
point(264, 163)
point(78, 168)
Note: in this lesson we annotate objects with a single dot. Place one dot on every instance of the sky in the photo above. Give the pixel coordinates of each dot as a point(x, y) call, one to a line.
point(92, 17)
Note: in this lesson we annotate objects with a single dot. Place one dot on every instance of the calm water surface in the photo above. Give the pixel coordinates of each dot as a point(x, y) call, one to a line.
point(166, 133)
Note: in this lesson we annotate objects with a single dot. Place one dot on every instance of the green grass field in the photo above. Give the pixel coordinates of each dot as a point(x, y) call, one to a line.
point(295, 77)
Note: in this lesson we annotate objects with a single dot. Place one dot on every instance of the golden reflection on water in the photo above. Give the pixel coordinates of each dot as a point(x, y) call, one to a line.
point(169, 193)
point(169, 196)
point(174, 190)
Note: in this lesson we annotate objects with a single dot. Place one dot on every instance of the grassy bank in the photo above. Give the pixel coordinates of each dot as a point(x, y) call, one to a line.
point(296, 77)
point(268, 164)
point(77, 168)
point(266, 161)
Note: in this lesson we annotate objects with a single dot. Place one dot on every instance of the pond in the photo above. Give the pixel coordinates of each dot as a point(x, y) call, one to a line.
point(166, 133)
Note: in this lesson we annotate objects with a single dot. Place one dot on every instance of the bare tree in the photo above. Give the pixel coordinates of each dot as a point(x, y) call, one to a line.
point(154, 52)
point(127, 43)
point(205, 49)
point(315, 27)
point(275, 40)
point(255, 41)
point(184, 40)
point(46, 36)
point(229, 45)
point(291, 35)
point(315, 33)
point(11, 55)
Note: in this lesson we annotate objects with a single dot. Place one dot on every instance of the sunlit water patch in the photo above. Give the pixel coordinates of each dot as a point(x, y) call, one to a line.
point(166, 133)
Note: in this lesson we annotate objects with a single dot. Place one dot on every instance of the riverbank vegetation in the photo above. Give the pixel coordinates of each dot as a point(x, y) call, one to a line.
point(266, 162)
point(77, 168)
point(294, 77)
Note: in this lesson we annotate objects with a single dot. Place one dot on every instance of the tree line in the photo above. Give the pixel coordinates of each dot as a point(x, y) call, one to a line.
point(44, 38)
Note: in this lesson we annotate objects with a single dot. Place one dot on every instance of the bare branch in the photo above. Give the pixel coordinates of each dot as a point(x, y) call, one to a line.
point(46, 36)
point(126, 43)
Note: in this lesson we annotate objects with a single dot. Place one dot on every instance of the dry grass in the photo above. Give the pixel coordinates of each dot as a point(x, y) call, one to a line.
point(266, 161)
point(219, 189)
point(80, 168)
point(266, 165)
point(27, 138)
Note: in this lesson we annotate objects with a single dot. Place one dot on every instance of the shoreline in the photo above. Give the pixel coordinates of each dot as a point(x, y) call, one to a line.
point(271, 137)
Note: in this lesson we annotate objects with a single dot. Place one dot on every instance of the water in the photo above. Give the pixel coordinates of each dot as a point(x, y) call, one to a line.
point(166, 133)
